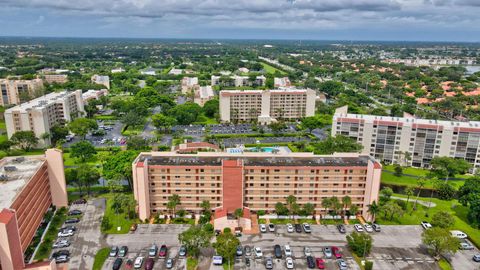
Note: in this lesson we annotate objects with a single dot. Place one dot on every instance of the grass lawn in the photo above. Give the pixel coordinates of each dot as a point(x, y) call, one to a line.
point(69, 161)
point(191, 263)
point(444, 265)
point(45, 248)
point(179, 220)
point(105, 117)
point(271, 69)
point(116, 220)
point(415, 217)
point(132, 130)
point(205, 120)
point(286, 221)
point(404, 180)
point(100, 258)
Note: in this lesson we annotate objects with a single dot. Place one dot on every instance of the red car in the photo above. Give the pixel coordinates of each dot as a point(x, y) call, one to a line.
point(163, 251)
point(129, 264)
point(149, 264)
point(336, 252)
point(320, 263)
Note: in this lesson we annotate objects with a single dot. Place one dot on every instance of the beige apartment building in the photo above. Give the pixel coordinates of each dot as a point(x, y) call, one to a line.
point(202, 94)
point(40, 114)
point(100, 79)
point(389, 138)
point(266, 106)
point(56, 78)
point(18, 91)
point(253, 181)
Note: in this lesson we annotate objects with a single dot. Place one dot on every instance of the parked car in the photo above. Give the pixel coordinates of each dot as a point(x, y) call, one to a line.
point(458, 234)
point(336, 252)
point(217, 260)
point(80, 201)
point(263, 228)
point(129, 264)
point(182, 252)
point(277, 250)
point(72, 220)
point(65, 233)
point(426, 225)
point(152, 252)
point(117, 264)
point(163, 251)
point(288, 251)
point(341, 228)
point(247, 262)
point(258, 252)
point(298, 228)
point(113, 251)
point(466, 245)
point(123, 251)
point(476, 258)
point(290, 228)
point(271, 227)
point(307, 251)
point(328, 252)
point(133, 227)
point(342, 264)
point(310, 262)
point(138, 263)
point(169, 263)
point(239, 250)
point(289, 263)
point(149, 264)
point(358, 227)
point(268, 263)
point(320, 263)
point(376, 227)
point(61, 243)
point(75, 212)
point(69, 228)
point(307, 228)
point(59, 253)
point(62, 259)
point(368, 227)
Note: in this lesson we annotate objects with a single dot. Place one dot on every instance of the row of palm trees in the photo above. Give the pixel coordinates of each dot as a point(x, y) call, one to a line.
point(344, 206)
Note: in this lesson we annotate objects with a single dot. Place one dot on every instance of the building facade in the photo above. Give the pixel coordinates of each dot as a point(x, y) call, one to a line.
point(40, 114)
point(29, 186)
point(18, 91)
point(202, 94)
point(281, 82)
point(254, 181)
point(188, 84)
point(103, 80)
point(266, 106)
point(56, 78)
point(388, 139)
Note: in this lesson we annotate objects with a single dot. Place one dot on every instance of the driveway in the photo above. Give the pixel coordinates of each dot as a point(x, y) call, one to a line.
point(463, 260)
point(88, 239)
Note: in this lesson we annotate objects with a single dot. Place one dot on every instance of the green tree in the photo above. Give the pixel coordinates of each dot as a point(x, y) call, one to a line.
point(211, 108)
point(26, 140)
point(398, 170)
point(360, 243)
point(205, 205)
point(119, 165)
point(386, 193)
point(391, 208)
point(338, 144)
point(308, 209)
point(326, 203)
point(443, 219)
point(87, 176)
point(83, 150)
point(163, 122)
point(58, 132)
point(445, 167)
point(281, 209)
point(186, 113)
point(421, 182)
point(445, 191)
point(440, 241)
point(291, 204)
point(195, 238)
point(137, 143)
point(173, 202)
point(336, 206)
point(409, 191)
point(353, 210)
point(469, 195)
point(373, 210)
point(81, 126)
point(346, 203)
point(238, 214)
point(226, 246)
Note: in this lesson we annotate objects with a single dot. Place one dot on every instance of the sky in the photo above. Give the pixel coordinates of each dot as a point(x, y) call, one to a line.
point(397, 20)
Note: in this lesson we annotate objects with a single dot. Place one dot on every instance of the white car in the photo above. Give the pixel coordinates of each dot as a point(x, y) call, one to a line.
point(289, 263)
point(307, 228)
point(65, 233)
point(307, 251)
point(458, 234)
point(138, 263)
point(290, 228)
point(263, 228)
point(288, 251)
point(258, 252)
point(368, 227)
point(217, 260)
point(358, 227)
point(61, 244)
point(426, 225)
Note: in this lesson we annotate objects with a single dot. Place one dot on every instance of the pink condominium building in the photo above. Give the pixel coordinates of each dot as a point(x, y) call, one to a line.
point(252, 181)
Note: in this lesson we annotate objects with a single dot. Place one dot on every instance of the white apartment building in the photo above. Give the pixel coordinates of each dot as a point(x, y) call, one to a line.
point(188, 83)
point(203, 94)
point(266, 106)
point(389, 138)
point(103, 80)
point(93, 94)
point(239, 81)
point(281, 82)
point(40, 114)
point(18, 91)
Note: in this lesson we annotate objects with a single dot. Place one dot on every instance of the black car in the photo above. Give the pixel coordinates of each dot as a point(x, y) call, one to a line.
point(80, 201)
point(74, 213)
point(59, 253)
point(277, 250)
point(117, 264)
point(310, 262)
point(341, 228)
point(298, 228)
point(68, 228)
point(72, 220)
point(247, 261)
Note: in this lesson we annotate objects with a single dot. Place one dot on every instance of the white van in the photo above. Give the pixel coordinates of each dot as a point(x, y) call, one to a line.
point(459, 234)
point(217, 260)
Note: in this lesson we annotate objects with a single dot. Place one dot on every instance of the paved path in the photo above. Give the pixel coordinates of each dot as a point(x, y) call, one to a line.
point(412, 199)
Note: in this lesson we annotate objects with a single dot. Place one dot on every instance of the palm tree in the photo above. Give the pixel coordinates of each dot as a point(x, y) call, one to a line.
point(173, 202)
point(336, 205)
point(326, 203)
point(373, 209)
point(409, 191)
point(205, 205)
point(291, 202)
point(420, 184)
point(346, 201)
point(238, 213)
point(353, 210)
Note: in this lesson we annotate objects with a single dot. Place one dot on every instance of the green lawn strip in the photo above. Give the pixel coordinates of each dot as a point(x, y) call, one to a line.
point(116, 220)
point(178, 220)
point(444, 264)
point(100, 258)
point(191, 263)
point(388, 178)
point(271, 69)
point(69, 161)
point(45, 248)
point(415, 217)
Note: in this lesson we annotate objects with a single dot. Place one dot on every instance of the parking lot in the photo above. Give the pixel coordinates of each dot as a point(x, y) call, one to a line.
point(225, 129)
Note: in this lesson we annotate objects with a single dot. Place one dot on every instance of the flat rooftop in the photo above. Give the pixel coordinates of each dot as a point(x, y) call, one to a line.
point(254, 159)
point(40, 102)
point(15, 173)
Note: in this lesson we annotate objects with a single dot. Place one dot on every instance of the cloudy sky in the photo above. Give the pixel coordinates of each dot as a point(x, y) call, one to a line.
point(423, 20)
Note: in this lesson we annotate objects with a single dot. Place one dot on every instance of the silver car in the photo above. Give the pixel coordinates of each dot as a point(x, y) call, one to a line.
point(328, 252)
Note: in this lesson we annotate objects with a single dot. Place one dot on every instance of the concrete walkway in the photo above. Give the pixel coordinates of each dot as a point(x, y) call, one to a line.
point(412, 199)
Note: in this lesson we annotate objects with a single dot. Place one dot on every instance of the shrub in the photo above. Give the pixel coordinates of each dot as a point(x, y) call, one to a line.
point(261, 212)
point(208, 227)
point(106, 225)
point(359, 243)
point(402, 204)
point(398, 170)
point(368, 265)
point(227, 230)
point(445, 191)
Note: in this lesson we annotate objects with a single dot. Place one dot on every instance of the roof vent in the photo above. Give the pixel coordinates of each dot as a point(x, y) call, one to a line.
point(10, 168)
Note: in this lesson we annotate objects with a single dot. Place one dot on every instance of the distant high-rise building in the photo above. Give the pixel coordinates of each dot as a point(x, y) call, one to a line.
point(18, 91)
point(281, 82)
point(103, 80)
